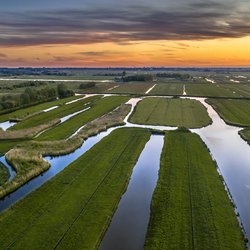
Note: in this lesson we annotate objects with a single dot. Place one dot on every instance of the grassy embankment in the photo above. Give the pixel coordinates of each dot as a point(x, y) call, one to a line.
point(27, 112)
point(234, 112)
point(190, 207)
point(73, 210)
point(30, 127)
point(4, 174)
point(27, 160)
point(171, 112)
point(99, 108)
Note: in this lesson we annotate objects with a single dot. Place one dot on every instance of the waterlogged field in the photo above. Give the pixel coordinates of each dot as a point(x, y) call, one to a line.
point(190, 207)
point(235, 112)
point(171, 112)
point(73, 210)
point(99, 108)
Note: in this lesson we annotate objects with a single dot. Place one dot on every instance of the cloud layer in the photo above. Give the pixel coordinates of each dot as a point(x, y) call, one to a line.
point(189, 21)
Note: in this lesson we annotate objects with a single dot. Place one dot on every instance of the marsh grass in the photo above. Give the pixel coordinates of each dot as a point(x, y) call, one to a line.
point(27, 160)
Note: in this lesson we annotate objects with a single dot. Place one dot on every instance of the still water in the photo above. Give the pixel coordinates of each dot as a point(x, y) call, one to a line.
point(129, 224)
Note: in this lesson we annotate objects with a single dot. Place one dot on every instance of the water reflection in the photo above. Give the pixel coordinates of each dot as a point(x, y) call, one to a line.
point(129, 224)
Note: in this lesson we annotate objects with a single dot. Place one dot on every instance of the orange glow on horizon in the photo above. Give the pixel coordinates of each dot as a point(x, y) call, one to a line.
point(218, 52)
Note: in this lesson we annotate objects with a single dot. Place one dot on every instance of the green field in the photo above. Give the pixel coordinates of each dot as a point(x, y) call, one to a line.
point(167, 89)
point(190, 207)
point(132, 88)
point(5, 146)
point(209, 90)
point(73, 210)
point(245, 134)
point(234, 112)
point(171, 112)
point(98, 109)
point(241, 89)
point(58, 113)
point(24, 112)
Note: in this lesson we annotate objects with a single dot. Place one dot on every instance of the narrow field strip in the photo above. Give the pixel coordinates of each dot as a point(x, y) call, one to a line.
point(58, 113)
point(75, 208)
point(99, 108)
point(190, 207)
point(25, 112)
point(233, 112)
point(174, 112)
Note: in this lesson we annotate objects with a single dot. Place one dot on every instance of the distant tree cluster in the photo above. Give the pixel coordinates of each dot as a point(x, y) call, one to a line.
point(136, 78)
point(29, 96)
point(29, 84)
point(87, 85)
point(174, 75)
point(111, 74)
point(63, 91)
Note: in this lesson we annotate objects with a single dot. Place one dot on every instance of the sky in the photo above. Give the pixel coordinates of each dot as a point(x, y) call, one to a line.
point(111, 33)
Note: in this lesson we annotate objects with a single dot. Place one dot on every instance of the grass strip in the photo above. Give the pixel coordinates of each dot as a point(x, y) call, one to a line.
point(45, 117)
point(74, 209)
point(171, 112)
point(26, 112)
point(233, 112)
point(26, 157)
point(190, 207)
point(99, 108)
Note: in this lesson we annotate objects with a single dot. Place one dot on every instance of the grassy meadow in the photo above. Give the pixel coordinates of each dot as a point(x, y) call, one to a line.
point(99, 108)
point(171, 112)
point(85, 195)
point(233, 112)
point(190, 208)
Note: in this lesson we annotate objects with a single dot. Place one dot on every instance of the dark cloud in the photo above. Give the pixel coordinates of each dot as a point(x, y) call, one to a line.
point(194, 21)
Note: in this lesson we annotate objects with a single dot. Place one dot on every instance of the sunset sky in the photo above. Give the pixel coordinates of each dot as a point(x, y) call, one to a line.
point(100, 33)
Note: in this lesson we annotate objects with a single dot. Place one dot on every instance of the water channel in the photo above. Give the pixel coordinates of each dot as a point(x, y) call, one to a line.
point(231, 153)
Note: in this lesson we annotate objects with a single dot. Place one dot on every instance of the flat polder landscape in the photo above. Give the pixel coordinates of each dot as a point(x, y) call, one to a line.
point(125, 158)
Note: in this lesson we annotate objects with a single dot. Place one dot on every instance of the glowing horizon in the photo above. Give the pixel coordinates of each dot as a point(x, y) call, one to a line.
point(184, 33)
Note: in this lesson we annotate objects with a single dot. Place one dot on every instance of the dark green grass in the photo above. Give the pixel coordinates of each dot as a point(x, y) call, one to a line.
point(167, 89)
point(4, 174)
point(5, 146)
point(190, 207)
point(171, 112)
point(132, 88)
point(58, 113)
point(209, 90)
point(234, 112)
point(24, 112)
point(98, 109)
point(73, 210)
point(245, 134)
point(241, 89)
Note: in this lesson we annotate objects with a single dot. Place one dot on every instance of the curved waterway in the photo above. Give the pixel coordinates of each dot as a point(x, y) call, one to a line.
point(57, 165)
point(12, 172)
point(128, 227)
point(231, 153)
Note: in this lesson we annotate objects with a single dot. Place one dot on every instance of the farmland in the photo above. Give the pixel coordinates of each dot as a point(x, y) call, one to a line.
point(87, 191)
point(235, 112)
point(167, 89)
point(171, 112)
point(67, 128)
point(68, 168)
point(188, 188)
